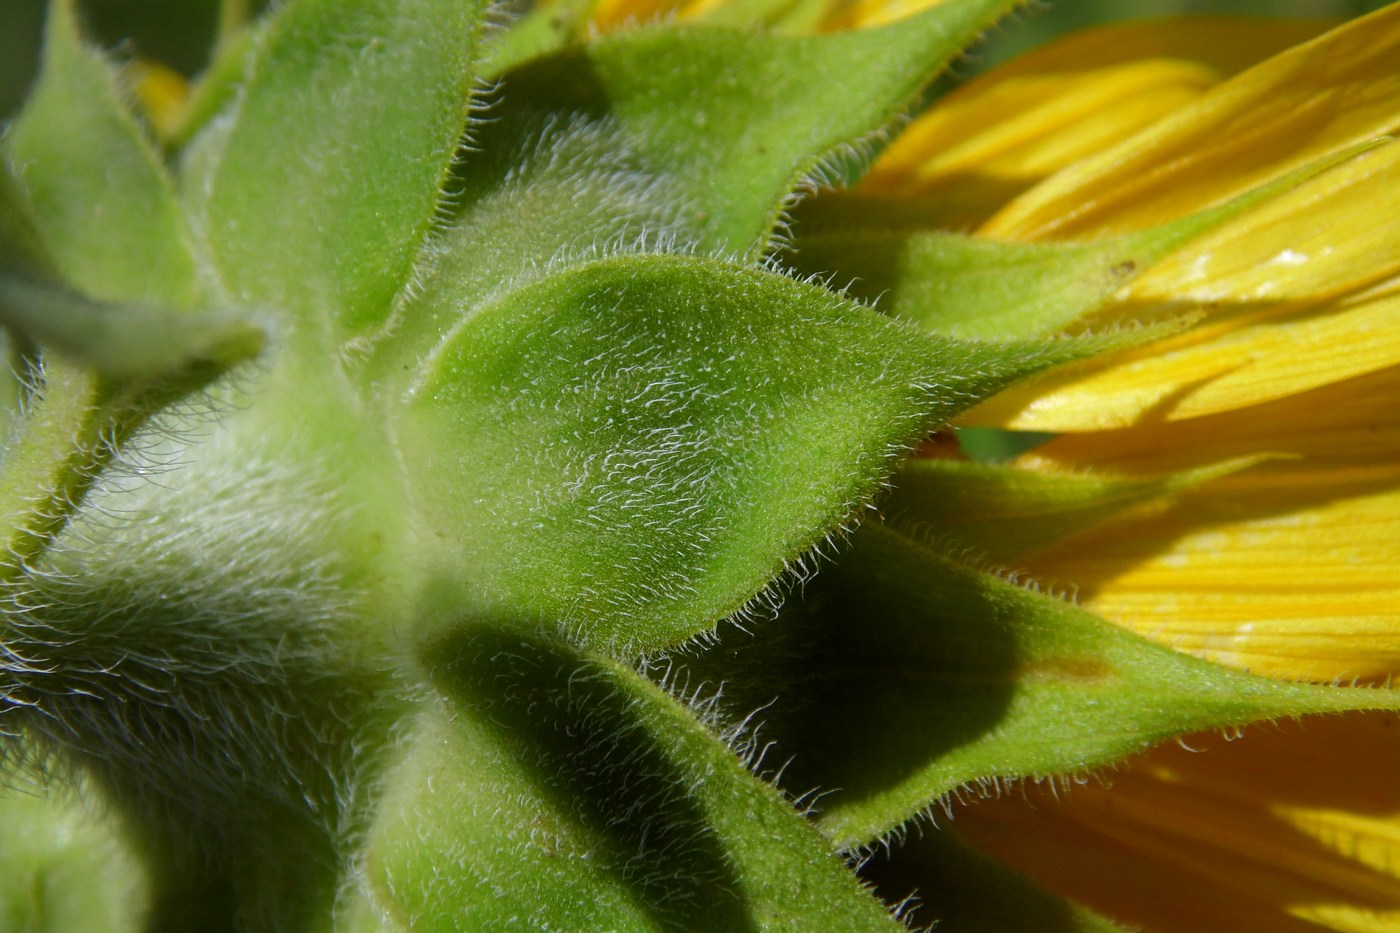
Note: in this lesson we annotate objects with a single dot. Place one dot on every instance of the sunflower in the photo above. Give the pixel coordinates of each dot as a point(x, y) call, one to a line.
point(553, 528)
point(1266, 433)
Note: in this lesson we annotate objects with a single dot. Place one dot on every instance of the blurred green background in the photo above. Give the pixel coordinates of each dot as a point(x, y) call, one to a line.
point(179, 31)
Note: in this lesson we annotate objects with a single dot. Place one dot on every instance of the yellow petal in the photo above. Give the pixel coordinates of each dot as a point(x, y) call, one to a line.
point(1292, 828)
point(1283, 569)
point(1347, 423)
point(1337, 232)
point(1029, 126)
point(1005, 131)
point(697, 9)
point(1287, 569)
point(1336, 91)
point(1243, 355)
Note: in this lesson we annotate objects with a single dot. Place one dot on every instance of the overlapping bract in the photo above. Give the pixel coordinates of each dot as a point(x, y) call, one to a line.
point(538, 411)
point(1276, 557)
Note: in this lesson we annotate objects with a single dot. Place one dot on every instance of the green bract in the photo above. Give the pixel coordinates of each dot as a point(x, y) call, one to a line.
point(414, 490)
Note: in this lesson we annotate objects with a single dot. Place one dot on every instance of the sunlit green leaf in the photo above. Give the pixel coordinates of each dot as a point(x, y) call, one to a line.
point(633, 449)
point(739, 118)
point(545, 194)
point(321, 190)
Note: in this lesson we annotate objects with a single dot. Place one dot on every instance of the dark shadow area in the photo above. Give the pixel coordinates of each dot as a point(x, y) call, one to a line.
point(177, 33)
point(231, 740)
point(1216, 818)
point(21, 28)
point(583, 744)
point(958, 203)
point(953, 888)
point(565, 81)
point(869, 674)
point(868, 268)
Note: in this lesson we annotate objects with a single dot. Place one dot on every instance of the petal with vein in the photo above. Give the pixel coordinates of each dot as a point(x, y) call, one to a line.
point(1243, 355)
point(1285, 569)
point(1025, 121)
point(1336, 91)
point(1334, 233)
point(1343, 423)
point(1293, 829)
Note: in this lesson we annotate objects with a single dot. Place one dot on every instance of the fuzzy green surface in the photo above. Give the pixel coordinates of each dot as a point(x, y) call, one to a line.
point(361, 450)
point(713, 424)
point(93, 187)
point(567, 792)
point(903, 675)
point(741, 117)
point(319, 185)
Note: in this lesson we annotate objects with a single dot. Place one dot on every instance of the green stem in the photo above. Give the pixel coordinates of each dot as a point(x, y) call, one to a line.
point(79, 422)
point(233, 14)
point(68, 439)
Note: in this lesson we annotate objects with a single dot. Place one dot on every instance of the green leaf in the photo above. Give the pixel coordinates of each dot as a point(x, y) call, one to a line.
point(543, 195)
point(967, 286)
point(322, 186)
point(216, 89)
point(920, 676)
point(21, 247)
point(739, 118)
point(636, 447)
point(542, 29)
point(786, 16)
point(972, 287)
point(94, 188)
point(583, 157)
point(126, 342)
point(1004, 512)
point(552, 789)
point(956, 889)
